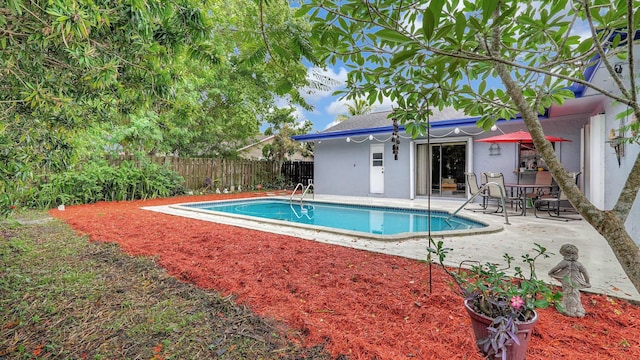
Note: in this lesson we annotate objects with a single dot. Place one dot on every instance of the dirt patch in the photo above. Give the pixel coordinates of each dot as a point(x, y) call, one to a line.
point(359, 304)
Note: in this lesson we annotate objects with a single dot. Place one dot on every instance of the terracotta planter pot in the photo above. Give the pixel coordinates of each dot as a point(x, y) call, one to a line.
point(480, 322)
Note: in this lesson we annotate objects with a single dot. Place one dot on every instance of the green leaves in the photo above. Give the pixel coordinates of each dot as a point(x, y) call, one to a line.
point(392, 36)
point(488, 7)
point(460, 25)
point(15, 6)
point(402, 56)
point(431, 18)
point(428, 23)
point(443, 52)
point(99, 181)
point(146, 74)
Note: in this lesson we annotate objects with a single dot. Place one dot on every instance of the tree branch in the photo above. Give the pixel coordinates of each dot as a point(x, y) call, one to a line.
point(603, 55)
point(631, 35)
point(475, 57)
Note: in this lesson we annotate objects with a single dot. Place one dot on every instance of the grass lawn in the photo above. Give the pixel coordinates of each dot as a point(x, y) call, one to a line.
point(64, 297)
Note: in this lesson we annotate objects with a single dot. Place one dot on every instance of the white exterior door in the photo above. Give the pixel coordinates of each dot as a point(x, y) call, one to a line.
point(376, 165)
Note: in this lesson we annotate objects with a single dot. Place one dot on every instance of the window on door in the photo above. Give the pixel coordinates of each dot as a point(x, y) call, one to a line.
point(440, 169)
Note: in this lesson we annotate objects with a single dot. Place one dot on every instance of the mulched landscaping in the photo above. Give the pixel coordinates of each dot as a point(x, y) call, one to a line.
point(361, 305)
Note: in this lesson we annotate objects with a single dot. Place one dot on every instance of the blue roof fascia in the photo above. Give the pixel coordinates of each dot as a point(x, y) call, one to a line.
point(590, 72)
point(380, 130)
point(579, 89)
point(346, 133)
point(388, 129)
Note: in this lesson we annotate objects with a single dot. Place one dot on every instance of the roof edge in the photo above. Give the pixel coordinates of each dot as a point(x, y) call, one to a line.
point(388, 129)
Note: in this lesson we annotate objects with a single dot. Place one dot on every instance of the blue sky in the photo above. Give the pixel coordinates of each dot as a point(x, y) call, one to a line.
point(328, 106)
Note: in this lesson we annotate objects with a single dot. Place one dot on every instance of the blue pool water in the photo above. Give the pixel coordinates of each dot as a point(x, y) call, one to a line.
point(360, 218)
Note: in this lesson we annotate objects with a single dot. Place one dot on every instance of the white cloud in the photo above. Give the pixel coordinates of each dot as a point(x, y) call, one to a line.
point(339, 106)
point(386, 105)
point(331, 80)
point(299, 114)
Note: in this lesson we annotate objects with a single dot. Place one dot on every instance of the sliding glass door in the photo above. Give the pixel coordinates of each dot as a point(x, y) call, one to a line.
point(440, 169)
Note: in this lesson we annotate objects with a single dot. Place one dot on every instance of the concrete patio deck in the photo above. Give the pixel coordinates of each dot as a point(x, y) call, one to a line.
point(606, 274)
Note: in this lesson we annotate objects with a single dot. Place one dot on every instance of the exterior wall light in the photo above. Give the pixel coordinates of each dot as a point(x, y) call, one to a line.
point(618, 68)
point(494, 149)
point(617, 143)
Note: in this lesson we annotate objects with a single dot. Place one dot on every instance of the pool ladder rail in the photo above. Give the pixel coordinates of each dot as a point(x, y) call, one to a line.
point(482, 188)
point(303, 211)
point(304, 192)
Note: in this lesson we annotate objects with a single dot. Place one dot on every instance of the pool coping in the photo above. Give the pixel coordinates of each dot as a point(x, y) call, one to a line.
point(488, 229)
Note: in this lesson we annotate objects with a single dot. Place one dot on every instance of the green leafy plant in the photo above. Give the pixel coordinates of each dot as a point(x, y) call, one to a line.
point(279, 183)
point(507, 299)
point(99, 181)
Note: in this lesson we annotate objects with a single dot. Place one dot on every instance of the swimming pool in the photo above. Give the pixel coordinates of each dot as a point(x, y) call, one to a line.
point(362, 220)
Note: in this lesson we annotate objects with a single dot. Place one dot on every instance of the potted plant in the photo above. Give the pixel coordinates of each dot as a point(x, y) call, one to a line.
point(502, 307)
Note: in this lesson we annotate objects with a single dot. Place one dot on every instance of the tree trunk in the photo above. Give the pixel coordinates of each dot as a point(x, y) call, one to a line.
point(623, 246)
point(610, 224)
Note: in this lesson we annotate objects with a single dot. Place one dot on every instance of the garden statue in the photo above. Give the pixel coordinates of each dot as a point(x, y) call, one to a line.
point(207, 184)
point(573, 277)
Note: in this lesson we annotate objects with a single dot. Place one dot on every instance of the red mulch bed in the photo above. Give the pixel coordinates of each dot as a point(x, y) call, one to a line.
point(360, 304)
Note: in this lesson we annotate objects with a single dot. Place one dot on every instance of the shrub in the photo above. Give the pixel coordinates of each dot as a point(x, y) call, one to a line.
point(98, 181)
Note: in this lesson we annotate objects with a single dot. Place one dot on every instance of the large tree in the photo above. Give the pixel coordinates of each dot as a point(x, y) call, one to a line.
point(283, 125)
point(217, 107)
point(78, 77)
point(68, 66)
point(356, 107)
point(435, 53)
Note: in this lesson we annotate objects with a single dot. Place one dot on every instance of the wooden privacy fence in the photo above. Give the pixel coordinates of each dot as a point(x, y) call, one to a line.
point(228, 174)
point(199, 173)
point(298, 171)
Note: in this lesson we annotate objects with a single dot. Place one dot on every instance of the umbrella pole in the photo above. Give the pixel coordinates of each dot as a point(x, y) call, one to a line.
point(519, 150)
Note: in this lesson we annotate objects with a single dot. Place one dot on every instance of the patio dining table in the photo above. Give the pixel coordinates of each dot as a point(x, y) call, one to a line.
point(521, 191)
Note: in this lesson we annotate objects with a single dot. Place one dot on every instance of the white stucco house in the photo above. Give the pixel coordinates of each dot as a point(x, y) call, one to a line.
point(360, 150)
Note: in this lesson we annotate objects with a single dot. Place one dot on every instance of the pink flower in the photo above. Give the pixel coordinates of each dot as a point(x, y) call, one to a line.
point(517, 302)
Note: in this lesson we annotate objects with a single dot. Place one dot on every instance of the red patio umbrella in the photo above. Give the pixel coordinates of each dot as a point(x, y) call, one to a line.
point(518, 137)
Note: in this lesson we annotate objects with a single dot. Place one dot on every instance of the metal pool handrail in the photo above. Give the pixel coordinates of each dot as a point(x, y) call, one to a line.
point(299, 185)
point(303, 211)
point(482, 188)
point(304, 192)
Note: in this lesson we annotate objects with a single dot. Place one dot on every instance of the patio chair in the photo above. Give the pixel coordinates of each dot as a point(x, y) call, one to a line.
point(496, 190)
point(552, 204)
point(542, 178)
point(474, 189)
